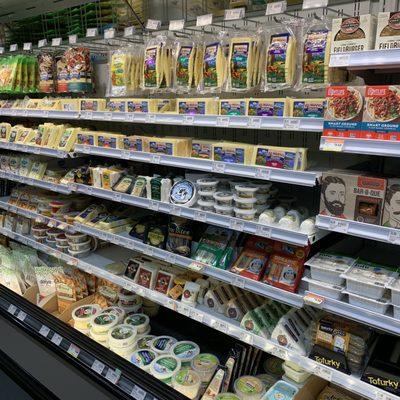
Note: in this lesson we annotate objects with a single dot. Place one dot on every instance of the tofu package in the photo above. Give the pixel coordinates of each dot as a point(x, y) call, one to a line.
point(388, 31)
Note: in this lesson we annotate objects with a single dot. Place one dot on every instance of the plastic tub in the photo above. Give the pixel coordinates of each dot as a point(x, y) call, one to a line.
point(140, 321)
point(122, 336)
point(281, 390)
point(103, 322)
point(53, 233)
point(61, 240)
point(295, 375)
point(328, 267)
point(227, 396)
point(40, 239)
point(144, 342)
point(130, 310)
point(143, 358)
point(323, 288)
point(83, 315)
point(206, 205)
point(223, 198)
point(187, 382)
point(50, 242)
point(63, 249)
point(246, 191)
point(263, 188)
point(77, 237)
point(129, 299)
point(207, 184)
point(39, 230)
point(267, 380)
point(80, 246)
point(165, 367)
point(205, 365)
point(118, 311)
point(379, 306)
point(249, 388)
point(245, 203)
point(124, 352)
point(185, 351)
point(206, 195)
point(162, 344)
point(223, 210)
point(245, 214)
point(79, 254)
point(330, 275)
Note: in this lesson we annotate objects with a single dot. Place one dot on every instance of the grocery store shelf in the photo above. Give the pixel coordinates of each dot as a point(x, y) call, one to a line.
point(54, 187)
point(370, 59)
point(361, 146)
point(214, 121)
point(43, 151)
point(219, 322)
point(303, 178)
point(360, 229)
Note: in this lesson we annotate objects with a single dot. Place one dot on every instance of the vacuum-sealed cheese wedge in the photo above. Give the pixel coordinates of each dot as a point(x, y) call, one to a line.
point(152, 75)
point(22, 134)
point(213, 67)
point(67, 140)
point(170, 146)
point(233, 107)
point(231, 152)
point(307, 108)
point(184, 65)
point(92, 104)
point(207, 106)
point(50, 104)
point(54, 135)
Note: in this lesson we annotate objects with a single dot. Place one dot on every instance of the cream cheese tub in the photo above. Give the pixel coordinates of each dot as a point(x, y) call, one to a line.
point(162, 344)
point(122, 336)
point(118, 311)
point(83, 315)
point(165, 367)
point(144, 342)
point(187, 382)
point(103, 322)
point(140, 321)
point(249, 388)
point(205, 365)
point(143, 358)
point(185, 351)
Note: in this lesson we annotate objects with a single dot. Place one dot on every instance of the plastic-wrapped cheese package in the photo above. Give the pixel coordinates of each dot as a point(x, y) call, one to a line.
point(185, 54)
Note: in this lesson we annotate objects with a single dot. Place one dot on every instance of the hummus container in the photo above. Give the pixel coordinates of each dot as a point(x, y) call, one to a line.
point(118, 311)
point(207, 184)
point(206, 195)
point(122, 336)
point(79, 254)
point(206, 205)
point(205, 365)
point(83, 315)
point(61, 239)
point(76, 237)
point(165, 367)
point(223, 210)
point(139, 321)
point(281, 390)
point(248, 215)
point(50, 242)
point(246, 191)
point(103, 322)
point(249, 388)
point(187, 382)
point(143, 358)
point(144, 342)
point(162, 344)
point(223, 198)
point(245, 203)
point(379, 306)
point(185, 351)
point(63, 249)
point(323, 288)
point(227, 396)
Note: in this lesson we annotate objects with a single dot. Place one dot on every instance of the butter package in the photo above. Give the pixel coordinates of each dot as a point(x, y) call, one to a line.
point(134, 143)
point(69, 104)
point(116, 105)
point(87, 138)
point(162, 105)
point(268, 107)
point(170, 146)
point(307, 108)
point(202, 149)
point(34, 104)
point(388, 31)
point(353, 34)
point(92, 104)
point(290, 158)
point(236, 153)
point(198, 106)
point(233, 107)
point(137, 105)
point(109, 140)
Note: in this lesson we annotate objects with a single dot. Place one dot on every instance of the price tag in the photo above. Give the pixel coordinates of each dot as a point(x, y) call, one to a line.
point(91, 32)
point(56, 339)
point(56, 41)
point(237, 225)
point(149, 251)
point(196, 266)
point(254, 122)
point(44, 330)
point(380, 395)
point(184, 310)
point(264, 231)
point(394, 236)
point(220, 326)
point(11, 309)
point(277, 7)
point(218, 167)
point(171, 258)
point(108, 116)
point(279, 352)
point(150, 118)
point(247, 338)
point(188, 120)
point(323, 372)
point(235, 13)
point(109, 33)
point(13, 47)
point(154, 205)
point(138, 393)
point(223, 121)
point(113, 376)
point(200, 216)
point(204, 20)
point(27, 46)
point(87, 115)
point(117, 197)
point(21, 316)
point(98, 366)
point(197, 315)
point(263, 173)
point(238, 282)
point(126, 154)
point(338, 225)
point(72, 39)
point(292, 124)
point(339, 60)
point(171, 304)
point(308, 4)
point(153, 24)
point(156, 159)
point(176, 210)
point(332, 144)
point(74, 350)
point(314, 300)
point(73, 262)
point(129, 31)
point(1, 50)
point(176, 24)
point(129, 117)
point(42, 43)
point(87, 189)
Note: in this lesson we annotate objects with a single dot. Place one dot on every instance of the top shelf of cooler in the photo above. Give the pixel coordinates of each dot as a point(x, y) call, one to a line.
point(370, 59)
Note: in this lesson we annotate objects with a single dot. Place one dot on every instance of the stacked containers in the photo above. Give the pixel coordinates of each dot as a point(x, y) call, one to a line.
point(207, 188)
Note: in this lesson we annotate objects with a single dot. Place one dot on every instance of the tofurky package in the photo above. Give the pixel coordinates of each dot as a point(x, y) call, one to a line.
point(353, 34)
point(388, 31)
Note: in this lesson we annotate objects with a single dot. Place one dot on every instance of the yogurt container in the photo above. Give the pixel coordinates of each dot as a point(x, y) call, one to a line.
point(281, 390)
point(162, 344)
point(245, 203)
point(249, 388)
point(223, 210)
point(205, 365)
point(245, 214)
point(223, 198)
point(206, 195)
point(140, 321)
point(246, 191)
point(144, 342)
point(187, 382)
point(227, 396)
point(122, 336)
point(206, 205)
point(165, 367)
point(207, 184)
point(143, 358)
point(83, 315)
point(185, 351)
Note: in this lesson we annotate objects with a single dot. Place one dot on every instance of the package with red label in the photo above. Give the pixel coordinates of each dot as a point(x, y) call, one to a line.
point(284, 272)
point(250, 264)
point(258, 243)
point(298, 252)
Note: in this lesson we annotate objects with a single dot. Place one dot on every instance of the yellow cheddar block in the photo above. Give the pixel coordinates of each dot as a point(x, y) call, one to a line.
point(291, 158)
point(138, 105)
point(87, 138)
point(69, 104)
point(233, 106)
point(198, 106)
point(307, 108)
point(5, 129)
point(92, 104)
point(278, 107)
point(170, 146)
point(162, 105)
point(231, 152)
point(109, 140)
point(134, 143)
point(67, 139)
point(116, 105)
point(202, 149)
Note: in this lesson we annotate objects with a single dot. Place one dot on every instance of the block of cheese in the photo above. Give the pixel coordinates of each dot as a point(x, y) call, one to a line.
point(307, 108)
point(50, 104)
point(5, 129)
point(116, 105)
point(109, 177)
point(109, 140)
point(268, 107)
point(291, 158)
point(202, 149)
point(55, 134)
point(162, 105)
point(87, 138)
point(14, 133)
point(137, 105)
point(67, 140)
point(92, 104)
point(170, 146)
point(387, 31)
point(152, 74)
point(22, 134)
point(134, 143)
point(233, 107)
point(33, 104)
point(231, 152)
point(69, 104)
point(38, 169)
point(198, 106)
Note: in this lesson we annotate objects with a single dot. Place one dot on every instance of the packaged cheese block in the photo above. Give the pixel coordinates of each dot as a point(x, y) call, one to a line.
point(115, 105)
point(69, 104)
point(170, 146)
point(5, 129)
point(134, 143)
point(152, 67)
point(291, 158)
point(198, 106)
point(162, 105)
point(92, 104)
point(54, 135)
point(353, 34)
point(37, 170)
point(268, 107)
point(119, 70)
point(202, 149)
point(137, 105)
point(33, 104)
point(22, 134)
point(87, 138)
point(236, 153)
point(213, 67)
point(184, 65)
point(233, 107)
point(388, 31)
point(50, 104)
point(14, 133)
point(67, 139)
point(109, 140)
point(307, 108)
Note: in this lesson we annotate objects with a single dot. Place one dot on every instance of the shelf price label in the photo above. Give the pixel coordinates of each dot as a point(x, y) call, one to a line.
point(13, 47)
point(314, 300)
point(221, 326)
point(338, 225)
point(246, 337)
point(98, 366)
point(176, 210)
point(56, 42)
point(277, 7)
point(129, 31)
point(72, 39)
point(292, 124)
point(196, 266)
point(11, 309)
point(380, 395)
point(309, 4)
point(200, 216)
point(176, 24)
point(153, 24)
point(137, 393)
point(56, 339)
point(21, 316)
point(171, 304)
point(74, 350)
point(218, 167)
point(197, 315)
point(254, 122)
point(236, 225)
point(279, 352)
point(184, 310)
point(42, 43)
point(155, 159)
point(223, 121)
point(235, 13)
point(339, 60)
point(264, 231)
point(27, 46)
point(188, 120)
point(91, 32)
point(44, 330)
point(394, 236)
point(323, 372)
point(238, 282)
point(332, 144)
point(263, 173)
point(113, 375)
point(109, 33)
point(204, 20)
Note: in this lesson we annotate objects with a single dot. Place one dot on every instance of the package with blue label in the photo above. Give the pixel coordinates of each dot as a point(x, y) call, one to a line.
point(268, 107)
point(231, 152)
point(170, 146)
point(109, 140)
point(202, 149)
point(87, 138)
point(134, 143)
point(137, 105)
point(291, 158)
point(307, 108)
point(116, 105)
point(233, 107)
point(92, 104)
point(206, 106)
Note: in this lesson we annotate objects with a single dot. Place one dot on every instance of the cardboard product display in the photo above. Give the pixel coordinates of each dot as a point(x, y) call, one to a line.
point(391, 212)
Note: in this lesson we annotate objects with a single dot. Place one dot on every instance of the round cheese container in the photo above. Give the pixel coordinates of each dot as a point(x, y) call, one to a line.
point(143, 358)
point(206, 205)
point(61, 240)
point(267, 217)
point(245, 214)
point(39, 230)
point(206, 195)
point(185, 351)
point(144, 342)
point(234, 182)
point(249, 388)
point(80, 246)
point(101, 338)
point(263, 188)
point(224, 210)
point(183, 192)
point(223, 198)
point(130, 310)
point(205, 365)
point(103, 322)
point(246, 191)
point(129, 299)
point(227, 396)
point(289, 222)
point(79, 254)
point(187, 382)
point(162, 344)
point(76, 237)
point(83, 315)
point(207, 184)
point(122, 336)
point(164, 367)
point(63, 249)
point(118, 311)
point(40, 239)
point(140, 321)
point(245, 203)
point(308, 226)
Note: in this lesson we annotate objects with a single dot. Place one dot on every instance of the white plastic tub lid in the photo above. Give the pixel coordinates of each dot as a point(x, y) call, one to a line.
point(383, 300)
point(323, 284)
point(331, 261)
